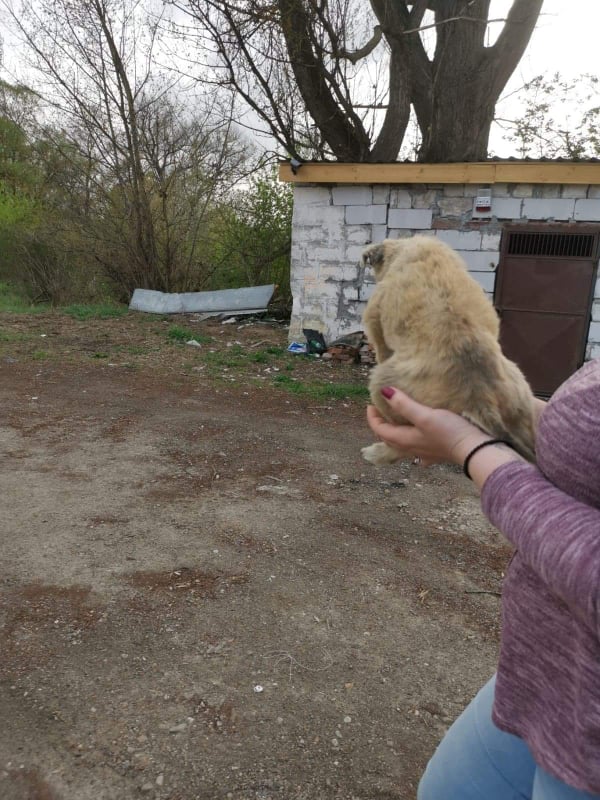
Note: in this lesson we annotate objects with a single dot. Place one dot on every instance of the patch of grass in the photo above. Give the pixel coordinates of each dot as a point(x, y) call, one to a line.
point(40, 355)
point(103, 311)
point(100, 355)
point(322, 391)
point(177, 334)
point(234, 356)
point(10, 336)
point(12, 302)
point(266, 355)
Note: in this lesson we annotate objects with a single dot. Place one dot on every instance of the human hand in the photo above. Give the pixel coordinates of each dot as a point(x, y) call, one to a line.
point(434, 435)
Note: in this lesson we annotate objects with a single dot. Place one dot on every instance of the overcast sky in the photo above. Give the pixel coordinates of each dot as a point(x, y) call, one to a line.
point(565, 40)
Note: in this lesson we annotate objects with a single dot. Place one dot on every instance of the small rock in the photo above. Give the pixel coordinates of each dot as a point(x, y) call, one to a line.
point(282, 490)
point(160, 780)
point(141, 761)
point(147, 787)
point(178, 728)
point(347, 720)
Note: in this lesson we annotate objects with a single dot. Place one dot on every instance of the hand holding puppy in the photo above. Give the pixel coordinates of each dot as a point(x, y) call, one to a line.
point(436, 436)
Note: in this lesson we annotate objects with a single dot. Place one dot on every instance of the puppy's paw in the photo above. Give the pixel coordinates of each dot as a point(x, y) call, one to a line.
point(380, 454)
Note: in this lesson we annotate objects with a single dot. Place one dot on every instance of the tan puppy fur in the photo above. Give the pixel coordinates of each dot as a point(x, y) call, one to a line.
point(435, 334)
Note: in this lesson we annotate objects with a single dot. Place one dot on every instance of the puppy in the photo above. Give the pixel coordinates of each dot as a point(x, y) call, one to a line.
point(435, 335)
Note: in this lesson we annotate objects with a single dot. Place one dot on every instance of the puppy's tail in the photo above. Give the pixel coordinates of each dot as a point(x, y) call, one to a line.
point(519, 432)
point(503, 399)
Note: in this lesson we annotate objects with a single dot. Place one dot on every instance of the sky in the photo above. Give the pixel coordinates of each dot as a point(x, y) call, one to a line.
point(565, 40)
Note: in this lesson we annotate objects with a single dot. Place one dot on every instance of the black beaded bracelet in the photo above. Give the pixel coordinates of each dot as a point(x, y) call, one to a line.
point(479, 447)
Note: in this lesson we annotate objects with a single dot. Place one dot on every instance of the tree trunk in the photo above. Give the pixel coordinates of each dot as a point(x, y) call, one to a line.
point(389, 140)
point(467, 78)
point(340, 126)
point(460, 127)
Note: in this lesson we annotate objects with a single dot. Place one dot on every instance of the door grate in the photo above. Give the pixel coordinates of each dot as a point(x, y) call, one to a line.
point(556, 245)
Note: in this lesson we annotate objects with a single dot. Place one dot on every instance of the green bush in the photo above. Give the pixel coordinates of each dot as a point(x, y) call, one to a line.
point(254, 238)
point(13, 301)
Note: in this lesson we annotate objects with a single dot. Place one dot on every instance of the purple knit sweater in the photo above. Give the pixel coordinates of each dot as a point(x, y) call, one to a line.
point(548, 684)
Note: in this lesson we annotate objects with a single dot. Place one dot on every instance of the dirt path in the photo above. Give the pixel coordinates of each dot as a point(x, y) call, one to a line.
point(206, 593)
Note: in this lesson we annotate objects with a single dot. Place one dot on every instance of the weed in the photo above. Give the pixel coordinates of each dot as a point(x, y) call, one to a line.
point(11, 302)
point(322, 391)
point(85, 312)
point(100, 355)
point(234, 356)
point(266, 355)
point(40, 355)
point(9, 336)
point(177, 334)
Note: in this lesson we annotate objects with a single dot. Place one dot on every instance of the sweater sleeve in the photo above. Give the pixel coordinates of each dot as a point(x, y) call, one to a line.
point(557, 536)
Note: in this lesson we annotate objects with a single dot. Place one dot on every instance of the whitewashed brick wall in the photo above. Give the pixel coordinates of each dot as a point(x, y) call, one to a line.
point(332, 226)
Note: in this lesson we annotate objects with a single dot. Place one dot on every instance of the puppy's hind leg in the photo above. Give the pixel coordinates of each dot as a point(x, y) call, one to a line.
point(380, 454)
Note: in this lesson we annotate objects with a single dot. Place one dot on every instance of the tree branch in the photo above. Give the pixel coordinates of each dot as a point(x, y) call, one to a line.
point(452, 19)
point(364, 51)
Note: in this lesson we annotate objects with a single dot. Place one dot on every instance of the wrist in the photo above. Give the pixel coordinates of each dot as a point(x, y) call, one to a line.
point(464, 446)
point(485, 458)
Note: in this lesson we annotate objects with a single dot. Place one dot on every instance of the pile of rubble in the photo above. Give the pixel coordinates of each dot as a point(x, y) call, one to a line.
point(351, 349)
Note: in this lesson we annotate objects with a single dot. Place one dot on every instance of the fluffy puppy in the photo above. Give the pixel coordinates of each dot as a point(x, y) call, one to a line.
point(435, 334)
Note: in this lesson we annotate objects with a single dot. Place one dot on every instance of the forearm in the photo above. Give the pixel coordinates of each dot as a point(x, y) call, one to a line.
point(557, 537)
point(488, 459)
point(485, 461)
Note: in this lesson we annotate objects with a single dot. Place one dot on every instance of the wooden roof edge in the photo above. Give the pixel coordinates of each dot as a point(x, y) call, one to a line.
point(480, 172)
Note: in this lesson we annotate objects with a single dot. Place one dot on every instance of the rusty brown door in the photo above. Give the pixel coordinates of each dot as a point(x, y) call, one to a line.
point(544, 293)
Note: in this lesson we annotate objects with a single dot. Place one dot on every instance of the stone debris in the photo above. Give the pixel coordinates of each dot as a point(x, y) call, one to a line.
point(353, 348)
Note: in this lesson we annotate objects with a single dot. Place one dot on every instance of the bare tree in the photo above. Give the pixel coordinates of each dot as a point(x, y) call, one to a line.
point(355, 69)
point(96, 67)
point(556, 117)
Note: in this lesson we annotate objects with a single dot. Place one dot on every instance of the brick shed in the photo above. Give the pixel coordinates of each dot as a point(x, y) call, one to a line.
point(529, 232)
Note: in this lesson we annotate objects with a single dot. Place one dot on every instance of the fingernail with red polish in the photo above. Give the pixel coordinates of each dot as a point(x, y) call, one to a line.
point(388, 392)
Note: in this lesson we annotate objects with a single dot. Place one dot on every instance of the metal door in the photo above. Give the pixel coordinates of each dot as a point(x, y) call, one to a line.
point(544, 293)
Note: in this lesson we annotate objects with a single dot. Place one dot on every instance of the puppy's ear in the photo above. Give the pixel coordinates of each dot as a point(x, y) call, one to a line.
point(373, 256)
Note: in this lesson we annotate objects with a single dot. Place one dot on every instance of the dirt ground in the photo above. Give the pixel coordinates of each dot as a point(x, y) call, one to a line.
point(206, 593)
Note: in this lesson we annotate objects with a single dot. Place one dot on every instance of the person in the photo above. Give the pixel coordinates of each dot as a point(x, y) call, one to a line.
point(533, 732)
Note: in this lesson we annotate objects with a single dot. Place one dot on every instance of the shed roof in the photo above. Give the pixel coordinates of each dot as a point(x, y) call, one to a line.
point(480, 172)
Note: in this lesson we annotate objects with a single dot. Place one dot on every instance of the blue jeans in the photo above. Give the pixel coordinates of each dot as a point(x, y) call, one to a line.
point(478, 761)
